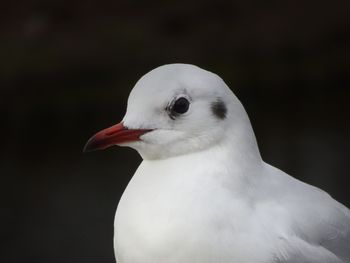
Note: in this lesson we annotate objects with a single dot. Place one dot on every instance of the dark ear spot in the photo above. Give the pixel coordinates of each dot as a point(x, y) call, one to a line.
point(219, 109)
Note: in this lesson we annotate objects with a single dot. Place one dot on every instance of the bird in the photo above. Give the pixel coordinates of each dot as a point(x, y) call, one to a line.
point(202, 193)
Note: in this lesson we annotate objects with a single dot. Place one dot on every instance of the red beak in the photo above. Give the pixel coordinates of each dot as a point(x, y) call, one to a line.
point(117, 134)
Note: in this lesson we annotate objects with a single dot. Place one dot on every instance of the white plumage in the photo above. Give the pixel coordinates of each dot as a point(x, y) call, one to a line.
point(203, 194)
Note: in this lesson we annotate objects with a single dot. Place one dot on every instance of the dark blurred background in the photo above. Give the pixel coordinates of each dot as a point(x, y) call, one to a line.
point(67, 67)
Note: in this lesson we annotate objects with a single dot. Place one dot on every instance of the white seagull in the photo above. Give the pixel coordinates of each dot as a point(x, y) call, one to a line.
point(202, 193)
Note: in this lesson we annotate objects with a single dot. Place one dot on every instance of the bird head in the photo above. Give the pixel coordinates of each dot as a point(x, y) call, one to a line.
point(173, 110)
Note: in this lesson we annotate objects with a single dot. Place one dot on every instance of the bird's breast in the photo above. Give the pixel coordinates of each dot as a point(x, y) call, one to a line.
point(173, 216)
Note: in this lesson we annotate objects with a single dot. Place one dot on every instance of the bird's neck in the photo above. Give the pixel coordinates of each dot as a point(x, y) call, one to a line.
point(236, 159)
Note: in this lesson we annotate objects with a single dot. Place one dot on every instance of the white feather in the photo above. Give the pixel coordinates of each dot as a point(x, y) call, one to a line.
point(203, 194)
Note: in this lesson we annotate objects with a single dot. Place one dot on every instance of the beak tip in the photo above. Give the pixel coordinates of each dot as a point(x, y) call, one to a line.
point(86, 149)
point(90, 146)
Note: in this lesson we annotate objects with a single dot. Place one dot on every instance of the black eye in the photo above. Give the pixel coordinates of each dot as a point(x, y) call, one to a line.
point(180, 106)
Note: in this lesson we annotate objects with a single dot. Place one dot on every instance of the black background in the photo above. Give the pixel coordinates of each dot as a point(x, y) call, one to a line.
point(67, 67)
